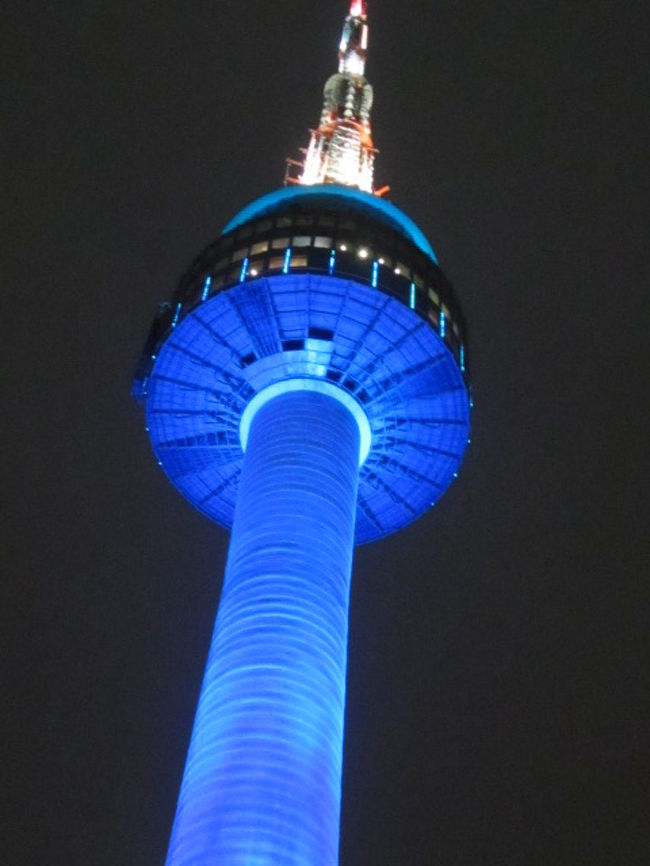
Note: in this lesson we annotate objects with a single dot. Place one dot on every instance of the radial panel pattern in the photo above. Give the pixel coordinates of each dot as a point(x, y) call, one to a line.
point(273, 328)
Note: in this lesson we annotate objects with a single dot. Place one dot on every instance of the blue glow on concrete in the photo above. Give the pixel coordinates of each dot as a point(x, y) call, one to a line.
point(262, 782)
point(206, 288)
point(400, 369)
point(375, 274)
point(412, 296)
point(332, 262)
point(319, 386)
point(443, 324)
point(375, 205)
point(177, 314)
point(287, 261)
point(244, 270)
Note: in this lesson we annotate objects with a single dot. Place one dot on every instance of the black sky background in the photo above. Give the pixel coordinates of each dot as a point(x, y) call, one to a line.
point(498, 661)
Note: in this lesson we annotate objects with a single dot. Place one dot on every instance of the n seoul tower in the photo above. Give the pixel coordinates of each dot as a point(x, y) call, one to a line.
point(305, 387)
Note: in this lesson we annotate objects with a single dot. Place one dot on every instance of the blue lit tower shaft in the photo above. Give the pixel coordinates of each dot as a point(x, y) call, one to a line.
point(337, 293)
point(262, 781)
point(307, 386)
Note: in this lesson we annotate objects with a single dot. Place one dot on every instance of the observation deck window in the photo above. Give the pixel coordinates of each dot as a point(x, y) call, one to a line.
point(256, 267)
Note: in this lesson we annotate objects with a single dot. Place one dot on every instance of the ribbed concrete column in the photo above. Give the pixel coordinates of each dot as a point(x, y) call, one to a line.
point(262, 783)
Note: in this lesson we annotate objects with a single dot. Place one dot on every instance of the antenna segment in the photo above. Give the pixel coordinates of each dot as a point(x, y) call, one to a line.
point(341, 150)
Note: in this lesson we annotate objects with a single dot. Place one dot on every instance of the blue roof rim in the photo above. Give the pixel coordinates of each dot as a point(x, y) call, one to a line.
point(402, 222)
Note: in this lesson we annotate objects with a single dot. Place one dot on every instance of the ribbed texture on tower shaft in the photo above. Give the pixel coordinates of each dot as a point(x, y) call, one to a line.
point(262, 782)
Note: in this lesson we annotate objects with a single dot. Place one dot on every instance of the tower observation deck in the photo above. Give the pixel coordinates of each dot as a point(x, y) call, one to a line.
point(306, 387)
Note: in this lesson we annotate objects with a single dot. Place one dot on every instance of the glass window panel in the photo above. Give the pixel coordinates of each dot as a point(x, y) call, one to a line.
point(256, 267)
point(322, 242)
point(302, 241)
point(261, 247)
point(279, 243)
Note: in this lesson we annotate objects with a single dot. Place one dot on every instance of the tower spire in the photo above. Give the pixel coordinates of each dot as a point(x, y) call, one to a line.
point(341, 150)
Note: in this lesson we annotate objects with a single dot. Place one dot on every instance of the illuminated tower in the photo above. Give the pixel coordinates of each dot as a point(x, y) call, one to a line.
point(305, 387)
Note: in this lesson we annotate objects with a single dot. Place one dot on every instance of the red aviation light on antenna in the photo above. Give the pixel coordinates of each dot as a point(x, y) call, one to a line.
point(357, 8)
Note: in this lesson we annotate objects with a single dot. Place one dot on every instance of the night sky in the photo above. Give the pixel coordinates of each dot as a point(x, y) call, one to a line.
point(498, 695)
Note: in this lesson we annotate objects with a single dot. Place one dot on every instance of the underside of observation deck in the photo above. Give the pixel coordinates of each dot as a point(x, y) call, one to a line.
point(274, 328)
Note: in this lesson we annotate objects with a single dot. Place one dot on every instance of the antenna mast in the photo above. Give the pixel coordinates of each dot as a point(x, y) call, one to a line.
point(341, 150)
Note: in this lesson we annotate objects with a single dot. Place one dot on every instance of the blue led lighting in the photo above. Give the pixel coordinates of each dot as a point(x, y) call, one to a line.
point(443, 324)
point(396, 367)
point(177, 314)
point(285, 386)
point(206, 288)
point(412, 296)
point(462, 359)
point(287, 260)
point(332, 262)
point(244, 270)
point(262, 782)
point(375, 274)
point(376, 207)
